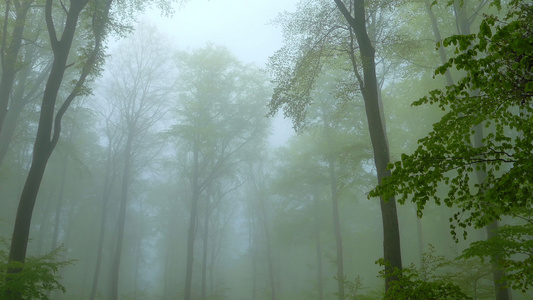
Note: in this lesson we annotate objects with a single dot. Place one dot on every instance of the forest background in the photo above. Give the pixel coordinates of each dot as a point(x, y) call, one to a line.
point(144, 171)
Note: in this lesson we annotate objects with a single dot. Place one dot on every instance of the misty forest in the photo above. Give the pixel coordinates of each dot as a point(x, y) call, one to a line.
point(132, 167)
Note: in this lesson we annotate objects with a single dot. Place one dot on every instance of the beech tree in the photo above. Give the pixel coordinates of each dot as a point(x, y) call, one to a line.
point(94, 15)
point(220, 117)
point(497, 64)
point(139, 87)
point(332, 35)
point(49, 128)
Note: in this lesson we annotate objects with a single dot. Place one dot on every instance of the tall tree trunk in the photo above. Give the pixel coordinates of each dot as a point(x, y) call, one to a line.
point(318, 246)
point(44, 142)
point(369, 87)
point(192, 223)
point(464, 24)
point(59, 203)
point(109, 181)
point(252, 242)
point(270, 261)
point(121, 222)
point(500, 285)
point(100, 248)
point(168, 276)
point(205, 248)
point(9, 54)
point(337, 228)
point(438, 37)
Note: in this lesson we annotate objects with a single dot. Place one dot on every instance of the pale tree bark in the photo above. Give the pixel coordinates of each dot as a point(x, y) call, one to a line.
point(195, 186)
point(337, 228)
point(59, 203)
point(463, 25)
point(121, 221)
point(270, 260)
point(252, 246)
point(109, 181)
point(318, 246)
point(369, 88)
point(205, 239)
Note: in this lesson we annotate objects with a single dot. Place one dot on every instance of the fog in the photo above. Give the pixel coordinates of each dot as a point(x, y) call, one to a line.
point(231, 149)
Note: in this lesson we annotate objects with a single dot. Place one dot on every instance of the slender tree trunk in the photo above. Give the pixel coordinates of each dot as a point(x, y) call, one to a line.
point(270, 261)
point(192, 223)
point(59, 203)
point(438, 37)
point(252, 236)
point(168, 278)
point(109, 181)
point(100, 248)
point(205, 248)
point(318, 246)
point(121, 222)
point(369, 87)
point(337, 228)
point(213, 261)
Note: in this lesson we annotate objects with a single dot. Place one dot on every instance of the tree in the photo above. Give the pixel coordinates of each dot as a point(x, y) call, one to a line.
point(496, 63)
point(220, 117)
point(138, 88)
point(369, 88)
point(89, 19)
point(50, 122)
point(330, 37)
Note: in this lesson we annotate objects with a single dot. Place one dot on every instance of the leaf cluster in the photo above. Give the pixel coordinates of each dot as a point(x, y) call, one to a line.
point(38, 277)
point(495, 96)
point(410, 284)
point(514, 248)
point(479, 156)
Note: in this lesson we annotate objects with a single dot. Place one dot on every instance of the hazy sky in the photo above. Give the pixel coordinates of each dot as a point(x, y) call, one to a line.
point(243, 26)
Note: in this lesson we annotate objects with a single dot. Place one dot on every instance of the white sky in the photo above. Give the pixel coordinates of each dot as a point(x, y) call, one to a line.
point(243, 26)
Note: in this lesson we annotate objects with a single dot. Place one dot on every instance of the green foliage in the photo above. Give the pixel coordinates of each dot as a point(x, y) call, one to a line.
point(38, 277)
point(495, 96)
point(440, 278)
point(514, 247)
point(354, 288)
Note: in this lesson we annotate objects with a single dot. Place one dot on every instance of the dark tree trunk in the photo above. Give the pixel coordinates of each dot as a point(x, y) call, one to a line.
point(44, 142)
point(121, 222)
point(369, 88)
